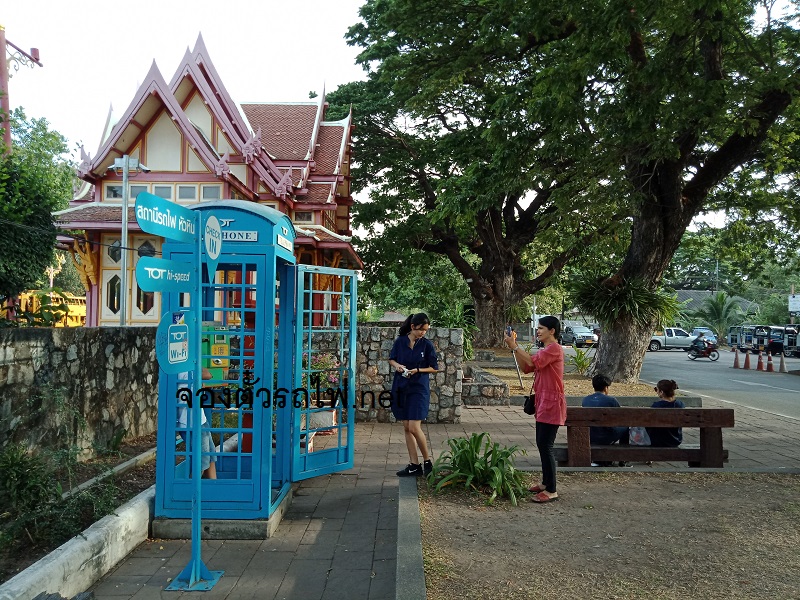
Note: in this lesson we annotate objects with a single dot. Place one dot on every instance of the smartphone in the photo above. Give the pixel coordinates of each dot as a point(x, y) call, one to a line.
point(508, 330)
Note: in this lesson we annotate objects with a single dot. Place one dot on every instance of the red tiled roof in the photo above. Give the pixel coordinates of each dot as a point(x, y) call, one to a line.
point(317, 193)
point(286, 129)
point(329, 144)
point(96, 216)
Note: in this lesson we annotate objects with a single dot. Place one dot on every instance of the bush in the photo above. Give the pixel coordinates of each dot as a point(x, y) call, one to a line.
point(481, 465)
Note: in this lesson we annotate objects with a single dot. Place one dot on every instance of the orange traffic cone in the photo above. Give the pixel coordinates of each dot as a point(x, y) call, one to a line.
point(736, 359)
point(770, 368)
point(782, 368)
point(760, 366)
point(746, 359)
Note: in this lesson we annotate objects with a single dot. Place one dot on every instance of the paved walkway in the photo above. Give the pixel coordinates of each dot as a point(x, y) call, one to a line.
point(339, 538)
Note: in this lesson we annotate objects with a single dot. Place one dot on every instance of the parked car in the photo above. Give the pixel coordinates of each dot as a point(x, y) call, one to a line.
point(707, 332)
point(671, 337)
point(578, 335)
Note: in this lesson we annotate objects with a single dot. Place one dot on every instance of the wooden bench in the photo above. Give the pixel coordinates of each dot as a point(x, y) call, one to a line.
point(578, 452)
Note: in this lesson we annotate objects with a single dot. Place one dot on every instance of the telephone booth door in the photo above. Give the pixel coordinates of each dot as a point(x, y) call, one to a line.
point(324, 369)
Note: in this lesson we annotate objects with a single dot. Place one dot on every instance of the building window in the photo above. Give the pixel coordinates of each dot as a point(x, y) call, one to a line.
point(145, 301)
point(163, 191)
point(115, 251)
point(113, 191)
point(136, 190)
point(211, 192)
point(146, 249)
point(113, 294)
point(187, 192)
point(304, 217)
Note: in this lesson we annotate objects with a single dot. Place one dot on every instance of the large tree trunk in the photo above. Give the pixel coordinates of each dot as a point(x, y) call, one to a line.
point(490, 321)
point(655, 236)
point(621, 350)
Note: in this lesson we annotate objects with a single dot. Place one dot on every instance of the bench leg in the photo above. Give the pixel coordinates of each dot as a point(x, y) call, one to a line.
point(711, 454)
point(578, 447)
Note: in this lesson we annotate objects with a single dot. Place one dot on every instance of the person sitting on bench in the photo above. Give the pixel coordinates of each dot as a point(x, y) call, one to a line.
point(604, 435)
point(666, 436)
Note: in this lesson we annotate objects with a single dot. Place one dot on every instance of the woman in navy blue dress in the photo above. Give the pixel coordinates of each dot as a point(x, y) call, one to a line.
point(413, 358)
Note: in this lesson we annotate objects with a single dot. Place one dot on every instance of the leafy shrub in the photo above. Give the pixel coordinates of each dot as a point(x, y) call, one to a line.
point(479, 464)
point(581, 361)
point(27, 481)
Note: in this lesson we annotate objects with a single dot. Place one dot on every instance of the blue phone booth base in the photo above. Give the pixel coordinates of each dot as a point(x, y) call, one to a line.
point(223, 529)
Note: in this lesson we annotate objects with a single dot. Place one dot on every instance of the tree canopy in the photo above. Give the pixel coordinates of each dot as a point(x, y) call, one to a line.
point(35, 180)
point(505, 129)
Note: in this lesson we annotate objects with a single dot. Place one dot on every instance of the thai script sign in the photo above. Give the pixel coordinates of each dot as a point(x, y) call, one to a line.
point(165, 218)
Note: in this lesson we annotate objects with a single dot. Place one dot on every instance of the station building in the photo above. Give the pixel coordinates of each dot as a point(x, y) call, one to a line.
point(190, 142)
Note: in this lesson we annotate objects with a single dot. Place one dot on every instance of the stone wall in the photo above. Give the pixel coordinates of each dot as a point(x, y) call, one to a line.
point(51, 379)
point(375, 375)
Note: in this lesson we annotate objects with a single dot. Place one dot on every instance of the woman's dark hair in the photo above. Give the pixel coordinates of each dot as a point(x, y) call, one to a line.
point(414, 319)
point(600, 382)
point(667, 387)
point(551, 323)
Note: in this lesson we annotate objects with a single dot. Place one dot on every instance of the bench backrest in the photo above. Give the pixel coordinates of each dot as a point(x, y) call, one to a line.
point(641, 401)
point(578, 416)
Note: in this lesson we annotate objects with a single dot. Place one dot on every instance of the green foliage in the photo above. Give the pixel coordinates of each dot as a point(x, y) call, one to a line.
point(27, 482)
point(612, 301)
point(479, 464)
point(454, 317)
point(51, 308)
point(35, 180)
point(490, 130)
point(719, 312)
point(30, 489)
point(773, 310)
point(369, 314)
point(581, 361)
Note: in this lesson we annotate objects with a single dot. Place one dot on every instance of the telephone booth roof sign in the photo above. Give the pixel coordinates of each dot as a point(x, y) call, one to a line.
point(242, 223)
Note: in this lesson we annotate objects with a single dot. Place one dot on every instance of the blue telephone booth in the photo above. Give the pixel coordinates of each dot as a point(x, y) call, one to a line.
point(278, 355)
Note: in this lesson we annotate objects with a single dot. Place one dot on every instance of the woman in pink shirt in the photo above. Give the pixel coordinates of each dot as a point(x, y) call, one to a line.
point(550, 401)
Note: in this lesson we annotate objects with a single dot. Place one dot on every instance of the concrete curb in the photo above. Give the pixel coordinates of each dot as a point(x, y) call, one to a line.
point(120, 469)
point(410, 579)
point(75, 566)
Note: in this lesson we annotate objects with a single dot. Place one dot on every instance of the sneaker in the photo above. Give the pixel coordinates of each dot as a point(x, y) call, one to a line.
point(427, 467)
point(411, 470)
point(594, 464)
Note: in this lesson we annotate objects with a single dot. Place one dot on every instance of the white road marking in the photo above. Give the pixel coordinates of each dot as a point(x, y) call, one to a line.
point(763, 385)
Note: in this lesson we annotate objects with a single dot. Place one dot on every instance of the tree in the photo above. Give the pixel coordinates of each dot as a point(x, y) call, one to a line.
point(719, 312)
point(502, 125)
point(457, 173)
point(35, 180)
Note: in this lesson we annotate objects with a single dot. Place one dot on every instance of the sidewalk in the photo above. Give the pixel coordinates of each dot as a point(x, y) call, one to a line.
point(339, 539)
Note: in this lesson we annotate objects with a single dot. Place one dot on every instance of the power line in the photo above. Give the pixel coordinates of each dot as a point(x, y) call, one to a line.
point(65, 234)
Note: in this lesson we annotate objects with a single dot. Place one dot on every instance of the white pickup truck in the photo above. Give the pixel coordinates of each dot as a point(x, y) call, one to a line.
point(671, 337)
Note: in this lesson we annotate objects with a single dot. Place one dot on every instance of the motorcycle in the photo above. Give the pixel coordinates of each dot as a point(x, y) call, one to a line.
point(709, 352)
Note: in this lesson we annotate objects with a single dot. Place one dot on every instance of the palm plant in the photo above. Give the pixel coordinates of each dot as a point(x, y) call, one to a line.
point(719, 312)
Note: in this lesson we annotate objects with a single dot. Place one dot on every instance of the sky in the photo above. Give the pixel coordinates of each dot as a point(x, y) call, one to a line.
point(96, 54)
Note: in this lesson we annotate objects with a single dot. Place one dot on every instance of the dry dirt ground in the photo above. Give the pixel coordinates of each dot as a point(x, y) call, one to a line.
point(620, 535)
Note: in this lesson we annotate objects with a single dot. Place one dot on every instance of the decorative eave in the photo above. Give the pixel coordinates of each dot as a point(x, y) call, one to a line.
point(346, 123)
point(312, 146)
point(198, 66)
point(152, 95)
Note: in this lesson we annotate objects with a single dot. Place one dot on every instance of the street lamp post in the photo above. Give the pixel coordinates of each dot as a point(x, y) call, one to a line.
point(125, 164)
point(16, 57)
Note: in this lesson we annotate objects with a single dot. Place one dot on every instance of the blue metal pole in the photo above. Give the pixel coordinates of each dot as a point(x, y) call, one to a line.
point(196, 576)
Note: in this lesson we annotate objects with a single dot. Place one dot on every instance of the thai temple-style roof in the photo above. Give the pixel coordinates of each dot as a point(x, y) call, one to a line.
point(279, 153)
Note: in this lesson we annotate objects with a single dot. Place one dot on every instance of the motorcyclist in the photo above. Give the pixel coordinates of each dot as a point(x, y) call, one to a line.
point(699, 343)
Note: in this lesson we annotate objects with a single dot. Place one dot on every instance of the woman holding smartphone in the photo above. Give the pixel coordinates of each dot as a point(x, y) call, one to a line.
point(550, 401)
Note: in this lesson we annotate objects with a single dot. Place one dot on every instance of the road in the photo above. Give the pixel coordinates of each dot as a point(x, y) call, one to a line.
point(775, 393)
